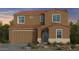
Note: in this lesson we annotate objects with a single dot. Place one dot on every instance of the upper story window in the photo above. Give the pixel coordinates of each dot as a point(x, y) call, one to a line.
point(31, 17)
point(56, 18)
point(59, 33)
point(42, 18)
point(20, 19)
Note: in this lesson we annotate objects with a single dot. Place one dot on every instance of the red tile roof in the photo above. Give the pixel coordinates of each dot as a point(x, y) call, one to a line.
point(53, 24)
point(39, 27)
point(32, 12)
point(58, 24)
point(39, 11)
point(19, 26)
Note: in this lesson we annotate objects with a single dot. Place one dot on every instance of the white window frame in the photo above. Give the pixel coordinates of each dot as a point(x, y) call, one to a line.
point(41, 18)
point(56, 21)
point(18, 20)
point(31, 17)
point(61, 33)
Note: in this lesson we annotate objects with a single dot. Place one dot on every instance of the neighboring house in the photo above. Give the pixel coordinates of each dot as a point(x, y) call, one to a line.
point(41, 26)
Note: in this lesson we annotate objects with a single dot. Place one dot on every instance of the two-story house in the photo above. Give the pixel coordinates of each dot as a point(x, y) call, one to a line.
point(41, 26)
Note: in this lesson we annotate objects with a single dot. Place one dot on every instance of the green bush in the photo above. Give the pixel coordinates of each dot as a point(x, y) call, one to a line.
point(74, 34)
point(34, 46)
point(60, 43)
point(4, 33)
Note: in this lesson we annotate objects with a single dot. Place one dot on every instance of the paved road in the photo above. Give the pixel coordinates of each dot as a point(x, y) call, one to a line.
point(23, 47)
point(20, 47)
point(12, 47)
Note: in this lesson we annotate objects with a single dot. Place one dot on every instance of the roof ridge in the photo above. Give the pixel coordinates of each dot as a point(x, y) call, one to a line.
point(59, 24)
point(42, 10)
point(49, 25)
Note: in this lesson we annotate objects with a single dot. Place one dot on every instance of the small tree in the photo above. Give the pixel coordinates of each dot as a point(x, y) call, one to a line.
point(0, 32)
point(11, 22)
point(74, 33)
point(5, 33)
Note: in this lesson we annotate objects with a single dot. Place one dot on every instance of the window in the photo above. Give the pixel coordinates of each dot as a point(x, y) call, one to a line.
point(31, 17)
point(20, 19)
point(42, 18)
point(56, 18)
point(59, 33)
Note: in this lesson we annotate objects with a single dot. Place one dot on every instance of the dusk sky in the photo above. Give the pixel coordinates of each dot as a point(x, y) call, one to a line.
point(6, 14)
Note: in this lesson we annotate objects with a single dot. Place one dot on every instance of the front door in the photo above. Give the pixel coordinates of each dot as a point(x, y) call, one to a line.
point(45, 36)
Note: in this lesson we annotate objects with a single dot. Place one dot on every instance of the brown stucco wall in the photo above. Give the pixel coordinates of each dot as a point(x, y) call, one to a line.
point(52, 31)
point(64, 21)
point(25, 37)
point(63, 25)
point(64, 17)
point(28, 21)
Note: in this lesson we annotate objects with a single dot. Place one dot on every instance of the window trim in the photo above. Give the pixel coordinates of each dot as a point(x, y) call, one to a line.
point(18, 20)
point(31, 17)
point(61, 33)
point(41, 20)
point(56, 21)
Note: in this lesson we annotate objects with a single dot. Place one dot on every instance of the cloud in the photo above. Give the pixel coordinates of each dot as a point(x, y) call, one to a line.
point(6, 20)
point(6, 17)
point(7, 12)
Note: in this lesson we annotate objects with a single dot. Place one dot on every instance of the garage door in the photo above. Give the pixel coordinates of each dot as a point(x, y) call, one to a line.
point(21, 36)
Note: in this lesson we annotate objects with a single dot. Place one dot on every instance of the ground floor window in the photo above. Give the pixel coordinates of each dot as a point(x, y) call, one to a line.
point(59, 33)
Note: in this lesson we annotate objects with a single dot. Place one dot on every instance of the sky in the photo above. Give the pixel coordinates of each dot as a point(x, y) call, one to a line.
point(6, 14)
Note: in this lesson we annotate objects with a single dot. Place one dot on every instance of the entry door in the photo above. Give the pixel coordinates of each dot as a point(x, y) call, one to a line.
point(45, 36)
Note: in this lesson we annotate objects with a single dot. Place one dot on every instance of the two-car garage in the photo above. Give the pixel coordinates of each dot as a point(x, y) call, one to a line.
point(22, 36)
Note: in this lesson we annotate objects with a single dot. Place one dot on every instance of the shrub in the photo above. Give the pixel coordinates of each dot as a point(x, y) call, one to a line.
point(48, 43)
point(68, 43)
point(60, 43)
point(54, 44)
point(29, 45)
point(34, 46)
point(72, 46)
point(58, 48)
